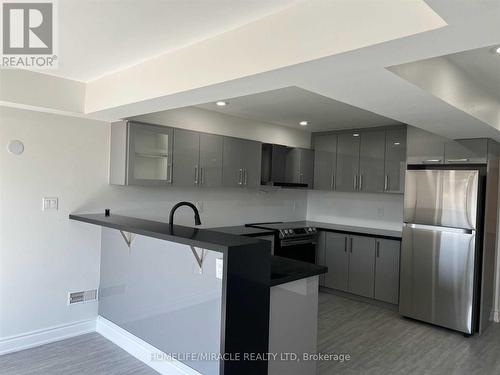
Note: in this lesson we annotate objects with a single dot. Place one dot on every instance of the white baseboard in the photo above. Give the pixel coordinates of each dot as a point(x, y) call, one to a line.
point(495, 316)
point(44, 336)
point(141, 349)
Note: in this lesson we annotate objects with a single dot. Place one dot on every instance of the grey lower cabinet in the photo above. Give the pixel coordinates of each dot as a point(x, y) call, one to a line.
point(395, 161)
point(325, 159)
point(337, 261)
point(362, 265)
point(197, 159)
point(387, 270)
point(299, 166)
point(241, 162)
point(347, 169)
point(371, 161)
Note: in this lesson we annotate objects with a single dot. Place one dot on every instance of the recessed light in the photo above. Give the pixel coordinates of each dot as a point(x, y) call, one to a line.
point(355, 135)
point(221, 103)
point(304, 123)
point(497, 50)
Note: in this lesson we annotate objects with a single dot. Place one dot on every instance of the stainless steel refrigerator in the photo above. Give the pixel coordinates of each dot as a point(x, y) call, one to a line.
point(439, 254)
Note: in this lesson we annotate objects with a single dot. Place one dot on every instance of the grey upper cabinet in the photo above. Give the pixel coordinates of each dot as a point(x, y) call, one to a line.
point(232, 156)
point(210, 160)
point(387, 270)
point(325, 158)
point(466, 151)
point(424, 147)
point(241, 162)
point(252, 155)
point(186, 151)
point(362, 266)
point(395, 160)
point(371, 161)
point(299, 166)
point(337, 260)
point(197, 159)
point(149, 154)
point(347, 161)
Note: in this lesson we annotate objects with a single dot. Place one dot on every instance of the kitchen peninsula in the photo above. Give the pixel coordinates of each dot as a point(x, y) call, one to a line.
point(214, 297)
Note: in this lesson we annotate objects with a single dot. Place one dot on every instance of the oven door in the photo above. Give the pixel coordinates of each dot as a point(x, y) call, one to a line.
point(303, 249)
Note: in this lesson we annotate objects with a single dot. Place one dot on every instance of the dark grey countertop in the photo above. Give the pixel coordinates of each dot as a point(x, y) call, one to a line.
point(340, 228)
point(282, 270)
point(285, 270)
point(204, 238)
point(241, 230)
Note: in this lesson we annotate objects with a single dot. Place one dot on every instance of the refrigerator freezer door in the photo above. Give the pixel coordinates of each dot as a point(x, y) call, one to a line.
point(445, 198)
point(437, 276)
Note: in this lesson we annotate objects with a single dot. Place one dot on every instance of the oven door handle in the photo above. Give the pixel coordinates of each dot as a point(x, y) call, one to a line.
point(297, 242)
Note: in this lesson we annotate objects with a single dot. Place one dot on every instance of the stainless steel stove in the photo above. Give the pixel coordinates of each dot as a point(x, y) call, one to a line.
point(294, 240)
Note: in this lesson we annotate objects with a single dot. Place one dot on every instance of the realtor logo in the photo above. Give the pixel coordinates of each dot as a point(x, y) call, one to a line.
point(28, 34)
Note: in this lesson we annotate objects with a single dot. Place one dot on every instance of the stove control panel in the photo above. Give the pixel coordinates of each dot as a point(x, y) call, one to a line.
point(297, 232)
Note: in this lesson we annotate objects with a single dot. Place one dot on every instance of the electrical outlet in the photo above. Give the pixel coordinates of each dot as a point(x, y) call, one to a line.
point(219, 267)
point(50, 204)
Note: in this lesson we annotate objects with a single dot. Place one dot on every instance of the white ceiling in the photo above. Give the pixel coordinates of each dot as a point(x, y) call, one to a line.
point(99, 37)
point(290, 105)
point(482, 65)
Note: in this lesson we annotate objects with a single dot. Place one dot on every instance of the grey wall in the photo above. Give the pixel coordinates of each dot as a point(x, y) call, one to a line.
point(43, 255)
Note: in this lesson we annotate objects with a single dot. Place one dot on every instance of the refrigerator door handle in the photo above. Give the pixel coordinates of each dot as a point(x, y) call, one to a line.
point(440, 229)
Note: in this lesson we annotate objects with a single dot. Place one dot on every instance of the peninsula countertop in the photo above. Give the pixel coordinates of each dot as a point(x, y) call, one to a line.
point(282, 270)
point(204, 238)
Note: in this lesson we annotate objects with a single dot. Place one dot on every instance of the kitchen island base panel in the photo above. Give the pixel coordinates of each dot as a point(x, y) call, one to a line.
point(294, 326)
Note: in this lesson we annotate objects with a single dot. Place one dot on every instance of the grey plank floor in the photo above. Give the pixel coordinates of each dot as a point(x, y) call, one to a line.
point(379, 341)
point(89, 354)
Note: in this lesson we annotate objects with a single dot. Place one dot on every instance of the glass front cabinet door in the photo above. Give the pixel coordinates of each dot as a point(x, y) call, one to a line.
point(150, 154)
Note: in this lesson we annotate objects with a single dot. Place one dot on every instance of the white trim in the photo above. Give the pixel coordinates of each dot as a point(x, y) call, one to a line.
point(141, 349)
point(44, 336)
point(495, 316)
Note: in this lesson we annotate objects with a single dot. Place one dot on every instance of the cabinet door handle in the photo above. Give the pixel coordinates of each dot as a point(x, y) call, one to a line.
point(202, 175)
point(355, 183)
point(245, 171)
point(196, 172)
point(432, 161)
point(169, 173)
point(360, 182)
point(345, 244)
point(458, 160)
point(386, 182)
point(240, 176)
point(378, 249)
point(351, 244)
point(332, 181)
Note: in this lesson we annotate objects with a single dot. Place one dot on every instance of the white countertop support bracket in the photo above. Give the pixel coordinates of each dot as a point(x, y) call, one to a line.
point(199, 257)
point(128, 237)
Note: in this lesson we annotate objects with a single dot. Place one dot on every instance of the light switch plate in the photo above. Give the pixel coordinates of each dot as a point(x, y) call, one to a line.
point(50, 204)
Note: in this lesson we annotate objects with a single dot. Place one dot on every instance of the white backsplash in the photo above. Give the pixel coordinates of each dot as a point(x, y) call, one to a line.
point(219, 207)
point(361, 209)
